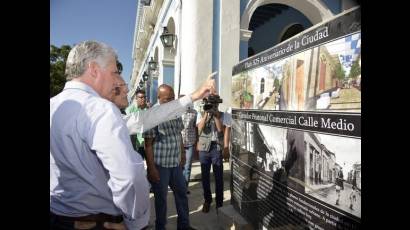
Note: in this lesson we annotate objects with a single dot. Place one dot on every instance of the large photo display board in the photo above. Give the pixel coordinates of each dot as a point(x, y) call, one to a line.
point(296, 131)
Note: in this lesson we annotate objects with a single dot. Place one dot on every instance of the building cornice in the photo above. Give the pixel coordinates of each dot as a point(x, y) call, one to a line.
point(246, 35)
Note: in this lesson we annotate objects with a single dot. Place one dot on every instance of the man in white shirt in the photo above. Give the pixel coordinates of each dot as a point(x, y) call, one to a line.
point(120, 94)
point(96, 179)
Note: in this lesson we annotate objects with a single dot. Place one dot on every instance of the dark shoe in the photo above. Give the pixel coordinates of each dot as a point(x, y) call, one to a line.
point(188, 192)
point(205, 207)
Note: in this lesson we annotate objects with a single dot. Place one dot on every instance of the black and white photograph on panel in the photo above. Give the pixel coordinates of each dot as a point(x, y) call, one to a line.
point(333, 171)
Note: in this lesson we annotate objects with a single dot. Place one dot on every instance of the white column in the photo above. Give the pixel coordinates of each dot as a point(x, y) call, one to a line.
point(160, 66)
point(229, 48)
point(196, 43)
point(177, 70)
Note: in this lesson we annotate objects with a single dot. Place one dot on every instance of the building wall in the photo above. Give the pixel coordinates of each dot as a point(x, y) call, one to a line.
point(256, 77)
point(332, 162)
point(212, 35)
point(309, 74)
point(319, 73)
point(294, 82)
point(326, 173)
point(168, 76)
point(310, 166)
point(321, 159)
point(327, 62)
point(311, 80)
point(216, 38)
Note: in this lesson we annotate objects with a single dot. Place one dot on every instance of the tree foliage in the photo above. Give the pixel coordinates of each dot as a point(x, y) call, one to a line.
point(355, 70)
point(338, 71)
point(58, 57)
point(276, 83)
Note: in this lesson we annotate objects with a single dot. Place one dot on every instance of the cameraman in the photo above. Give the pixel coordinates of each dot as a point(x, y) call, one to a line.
point(210, 145)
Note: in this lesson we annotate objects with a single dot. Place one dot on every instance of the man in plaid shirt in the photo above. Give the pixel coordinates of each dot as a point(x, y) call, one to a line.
point(189, 138)
point(163, 148)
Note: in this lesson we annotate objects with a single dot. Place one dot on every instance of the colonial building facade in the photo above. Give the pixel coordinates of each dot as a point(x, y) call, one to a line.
point(215, 35)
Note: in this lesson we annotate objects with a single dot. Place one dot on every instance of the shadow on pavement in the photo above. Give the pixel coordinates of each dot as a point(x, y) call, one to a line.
point(198, 219)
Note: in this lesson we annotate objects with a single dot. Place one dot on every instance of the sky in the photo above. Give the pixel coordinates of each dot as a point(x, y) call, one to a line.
point(108, 21)
point(348, 46)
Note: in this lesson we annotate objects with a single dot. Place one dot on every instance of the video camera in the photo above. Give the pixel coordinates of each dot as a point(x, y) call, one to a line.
point(211, 103)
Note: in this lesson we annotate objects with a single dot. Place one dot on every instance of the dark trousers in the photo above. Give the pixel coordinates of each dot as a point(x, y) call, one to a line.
point(212, 157)
point(61, 224)
point(173, 178)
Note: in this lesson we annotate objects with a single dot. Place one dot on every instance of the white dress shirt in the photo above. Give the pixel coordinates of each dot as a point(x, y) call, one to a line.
point(93, 167)
point(144, 120)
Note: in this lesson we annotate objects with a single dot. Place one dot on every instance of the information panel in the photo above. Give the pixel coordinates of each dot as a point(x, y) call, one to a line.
point(296, 131)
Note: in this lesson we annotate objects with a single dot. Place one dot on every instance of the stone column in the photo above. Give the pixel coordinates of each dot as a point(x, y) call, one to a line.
point(229, 48)
point(196, 43)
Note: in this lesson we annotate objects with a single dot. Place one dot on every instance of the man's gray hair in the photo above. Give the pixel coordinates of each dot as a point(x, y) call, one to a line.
point(84, 52)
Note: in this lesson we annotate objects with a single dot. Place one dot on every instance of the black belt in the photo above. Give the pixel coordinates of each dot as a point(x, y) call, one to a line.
point(100, 217)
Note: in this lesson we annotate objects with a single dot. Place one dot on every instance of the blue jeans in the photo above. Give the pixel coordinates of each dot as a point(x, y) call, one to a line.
point(189, 151)
point(174, 178)
point(213, 157)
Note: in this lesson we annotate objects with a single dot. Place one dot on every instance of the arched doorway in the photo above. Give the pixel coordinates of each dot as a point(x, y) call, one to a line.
point(313, 10)
point(291, 31)
point(251, 52)
point(273, 23)
point(264, 23)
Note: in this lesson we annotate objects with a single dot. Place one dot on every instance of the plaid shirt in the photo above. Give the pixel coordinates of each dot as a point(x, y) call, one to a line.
point(189, 131)
point(167, 142)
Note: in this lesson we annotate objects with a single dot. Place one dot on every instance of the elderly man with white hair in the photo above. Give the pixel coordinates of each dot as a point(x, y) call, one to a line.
point(96, 179)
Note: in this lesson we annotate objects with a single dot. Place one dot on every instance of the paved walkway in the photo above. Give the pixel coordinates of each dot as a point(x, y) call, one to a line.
point(198, 219)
